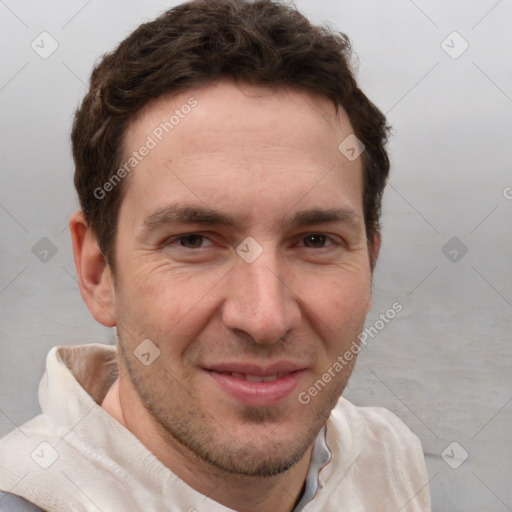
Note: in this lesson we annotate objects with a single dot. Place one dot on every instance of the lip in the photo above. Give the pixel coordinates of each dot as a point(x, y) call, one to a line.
point(255, 369)
point(257, 394)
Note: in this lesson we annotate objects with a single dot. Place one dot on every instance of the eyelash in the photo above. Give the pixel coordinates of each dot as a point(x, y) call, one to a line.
point(328, 238)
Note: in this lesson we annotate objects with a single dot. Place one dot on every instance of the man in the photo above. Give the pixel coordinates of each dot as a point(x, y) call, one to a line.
point(230, 175)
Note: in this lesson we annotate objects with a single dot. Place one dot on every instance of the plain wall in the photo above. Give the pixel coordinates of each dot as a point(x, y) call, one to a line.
point(443, 363)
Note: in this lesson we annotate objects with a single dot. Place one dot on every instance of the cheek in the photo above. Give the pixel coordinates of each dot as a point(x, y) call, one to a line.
point(337, 309)
point(339, 297)
point(164, 303)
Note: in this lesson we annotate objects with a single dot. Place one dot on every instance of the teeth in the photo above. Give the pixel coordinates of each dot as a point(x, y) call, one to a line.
point(255, 378)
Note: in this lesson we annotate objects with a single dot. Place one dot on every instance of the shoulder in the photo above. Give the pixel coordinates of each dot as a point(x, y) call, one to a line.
point(25, 454)
point(379, 427)
point(378, 442)
point(381, 449)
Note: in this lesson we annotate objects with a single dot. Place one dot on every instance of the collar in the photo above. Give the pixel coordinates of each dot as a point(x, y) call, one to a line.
point(320, 457)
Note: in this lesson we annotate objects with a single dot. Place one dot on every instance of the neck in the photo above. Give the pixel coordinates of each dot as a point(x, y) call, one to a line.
point(279, 493)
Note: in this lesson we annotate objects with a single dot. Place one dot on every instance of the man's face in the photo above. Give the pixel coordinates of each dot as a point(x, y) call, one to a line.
point(240, 333)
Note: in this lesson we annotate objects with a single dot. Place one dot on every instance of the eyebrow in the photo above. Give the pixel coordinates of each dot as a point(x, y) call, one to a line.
point(188, 214)
point(320, 216)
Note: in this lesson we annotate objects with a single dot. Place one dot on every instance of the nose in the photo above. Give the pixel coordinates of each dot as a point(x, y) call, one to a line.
point(259, 300)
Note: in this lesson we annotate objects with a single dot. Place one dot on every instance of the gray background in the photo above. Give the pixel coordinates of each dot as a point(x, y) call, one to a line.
point(443, 364)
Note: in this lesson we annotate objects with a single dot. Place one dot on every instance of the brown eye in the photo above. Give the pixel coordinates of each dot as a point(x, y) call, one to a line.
point(315, 241)
point(192, 241)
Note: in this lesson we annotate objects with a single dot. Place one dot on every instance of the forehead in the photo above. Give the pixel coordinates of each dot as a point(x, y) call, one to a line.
point(233, 112)
point(239, 140)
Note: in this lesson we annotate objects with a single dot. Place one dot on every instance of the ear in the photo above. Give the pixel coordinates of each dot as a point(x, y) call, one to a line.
point(93, 272)
point(374, 248)
point(373, 253)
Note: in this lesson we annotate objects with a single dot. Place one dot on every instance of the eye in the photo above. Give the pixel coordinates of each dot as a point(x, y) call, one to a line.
point(316, 241)
point(192, 241)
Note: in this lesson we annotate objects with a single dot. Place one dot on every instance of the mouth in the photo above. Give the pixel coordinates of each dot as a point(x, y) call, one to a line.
point(256, 386)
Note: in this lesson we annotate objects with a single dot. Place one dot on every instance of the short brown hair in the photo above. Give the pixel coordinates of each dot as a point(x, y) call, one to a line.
point(264, 42)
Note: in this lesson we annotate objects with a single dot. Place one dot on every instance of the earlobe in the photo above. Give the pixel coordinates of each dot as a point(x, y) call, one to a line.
point(93, 272)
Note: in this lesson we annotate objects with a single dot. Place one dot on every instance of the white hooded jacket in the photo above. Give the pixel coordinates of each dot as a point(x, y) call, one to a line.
point(76, 457)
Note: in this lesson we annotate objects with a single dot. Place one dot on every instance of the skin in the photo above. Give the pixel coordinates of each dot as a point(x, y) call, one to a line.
point(259, 156)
